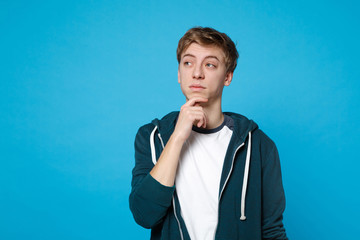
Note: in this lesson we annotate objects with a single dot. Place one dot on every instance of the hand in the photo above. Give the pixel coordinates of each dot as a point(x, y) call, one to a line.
point(191, 113)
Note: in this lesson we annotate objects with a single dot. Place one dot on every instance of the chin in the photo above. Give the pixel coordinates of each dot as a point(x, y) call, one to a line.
point(188, 97)
point(195, 94)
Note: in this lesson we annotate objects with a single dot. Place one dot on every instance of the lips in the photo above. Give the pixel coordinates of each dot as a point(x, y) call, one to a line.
point(197, 87)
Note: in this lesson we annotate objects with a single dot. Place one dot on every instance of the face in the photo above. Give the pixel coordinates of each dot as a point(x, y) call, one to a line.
point(202, 72)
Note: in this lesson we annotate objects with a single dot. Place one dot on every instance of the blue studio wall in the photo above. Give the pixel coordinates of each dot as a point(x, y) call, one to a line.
point(78, 78)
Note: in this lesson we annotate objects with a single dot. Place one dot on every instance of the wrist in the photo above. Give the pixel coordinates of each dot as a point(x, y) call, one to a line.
point(178, 139)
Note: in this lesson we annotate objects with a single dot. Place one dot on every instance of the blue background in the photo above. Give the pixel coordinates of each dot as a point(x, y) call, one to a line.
point(77, 79)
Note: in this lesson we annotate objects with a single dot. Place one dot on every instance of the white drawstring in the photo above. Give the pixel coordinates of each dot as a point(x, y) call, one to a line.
point(246, 171)
point(152, 146)
point(153, 157)
point(245, 180)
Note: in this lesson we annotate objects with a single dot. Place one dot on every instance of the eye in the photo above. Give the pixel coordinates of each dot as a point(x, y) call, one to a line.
point(210, 65)
point(187, 63)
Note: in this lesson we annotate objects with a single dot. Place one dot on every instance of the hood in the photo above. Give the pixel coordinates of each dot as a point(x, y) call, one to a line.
point(242, 125)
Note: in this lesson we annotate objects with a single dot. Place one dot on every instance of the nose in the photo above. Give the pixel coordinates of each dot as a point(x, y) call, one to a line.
point(198, 72)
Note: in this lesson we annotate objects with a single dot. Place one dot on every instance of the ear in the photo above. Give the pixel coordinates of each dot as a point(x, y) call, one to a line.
point(178, 75)
point(228, 78)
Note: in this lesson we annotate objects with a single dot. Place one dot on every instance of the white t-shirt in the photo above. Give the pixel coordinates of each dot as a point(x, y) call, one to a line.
point(198, 178)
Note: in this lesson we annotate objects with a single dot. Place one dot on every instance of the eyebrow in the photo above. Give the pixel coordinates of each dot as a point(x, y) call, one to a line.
point(210, 56)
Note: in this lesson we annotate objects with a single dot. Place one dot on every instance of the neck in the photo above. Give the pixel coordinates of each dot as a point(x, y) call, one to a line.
point(214, 114)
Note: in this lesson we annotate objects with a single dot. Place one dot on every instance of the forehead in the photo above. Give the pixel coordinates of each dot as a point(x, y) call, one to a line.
point(200, 51)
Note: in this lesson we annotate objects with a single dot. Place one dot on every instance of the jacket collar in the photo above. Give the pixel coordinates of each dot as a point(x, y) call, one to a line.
point(242, 126)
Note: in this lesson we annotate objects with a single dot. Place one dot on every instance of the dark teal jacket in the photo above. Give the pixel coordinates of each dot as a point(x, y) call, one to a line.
point(250, 207)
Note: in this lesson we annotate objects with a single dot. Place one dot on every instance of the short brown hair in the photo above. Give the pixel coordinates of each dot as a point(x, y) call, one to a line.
point(209, 36)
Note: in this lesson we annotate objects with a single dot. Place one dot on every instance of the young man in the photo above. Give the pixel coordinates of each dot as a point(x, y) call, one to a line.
point(200, 173)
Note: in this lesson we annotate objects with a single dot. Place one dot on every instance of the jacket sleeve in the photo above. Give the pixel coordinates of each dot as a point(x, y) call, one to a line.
point(149, 200)
point(273, 197)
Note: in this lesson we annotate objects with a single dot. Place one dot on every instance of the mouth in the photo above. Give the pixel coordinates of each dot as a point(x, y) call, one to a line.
point(196, 87)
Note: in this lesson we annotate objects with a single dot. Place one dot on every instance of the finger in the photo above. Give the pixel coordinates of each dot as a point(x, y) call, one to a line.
point(195, 100)
point(200, 116)
point(205, 120)
point(200, 123)
point(196, 116)
point(200, 120)
point(192, 107)
point(196, 109)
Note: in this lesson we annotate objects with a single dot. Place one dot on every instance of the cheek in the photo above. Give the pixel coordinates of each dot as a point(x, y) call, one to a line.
point(218, 81)
point(184, 77)
point(180, 75)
